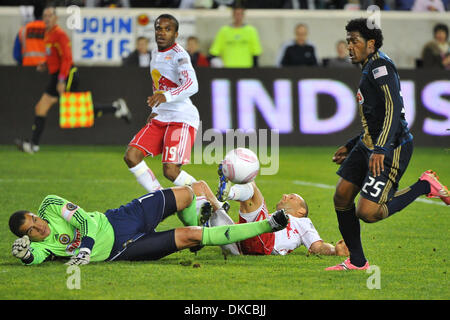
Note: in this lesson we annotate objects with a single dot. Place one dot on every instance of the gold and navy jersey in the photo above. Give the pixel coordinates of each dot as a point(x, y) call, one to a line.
point(381, 105)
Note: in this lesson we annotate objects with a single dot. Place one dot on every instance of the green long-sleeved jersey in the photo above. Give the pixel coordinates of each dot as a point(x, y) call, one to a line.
point(69, 225)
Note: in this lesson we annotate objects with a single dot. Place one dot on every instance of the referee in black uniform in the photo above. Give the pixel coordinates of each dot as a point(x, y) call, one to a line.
point(373, 162)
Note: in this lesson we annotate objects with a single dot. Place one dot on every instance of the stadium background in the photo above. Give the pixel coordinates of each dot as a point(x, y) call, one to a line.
point(411, 248)
point(105, 34)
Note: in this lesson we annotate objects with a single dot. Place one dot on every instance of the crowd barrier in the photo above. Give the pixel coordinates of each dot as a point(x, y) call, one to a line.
point(298, 106)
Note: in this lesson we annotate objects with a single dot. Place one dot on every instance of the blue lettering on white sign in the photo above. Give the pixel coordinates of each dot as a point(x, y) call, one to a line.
point(123, 47)
point(125, 25)
point(104, 38)
point(105, 25)
point(108, 24)
point(87, 48)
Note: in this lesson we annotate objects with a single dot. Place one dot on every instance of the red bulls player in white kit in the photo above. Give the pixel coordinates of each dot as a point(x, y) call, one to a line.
point(174, 120)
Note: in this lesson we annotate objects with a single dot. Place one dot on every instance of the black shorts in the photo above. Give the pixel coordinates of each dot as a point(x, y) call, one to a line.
point(381, 189)
point(134, 226)
point(72, 82)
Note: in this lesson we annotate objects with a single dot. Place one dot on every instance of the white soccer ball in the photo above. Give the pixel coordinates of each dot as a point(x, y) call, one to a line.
point(240, 165)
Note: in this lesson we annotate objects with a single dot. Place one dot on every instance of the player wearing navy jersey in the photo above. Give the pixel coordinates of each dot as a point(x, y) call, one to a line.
point(373, 162)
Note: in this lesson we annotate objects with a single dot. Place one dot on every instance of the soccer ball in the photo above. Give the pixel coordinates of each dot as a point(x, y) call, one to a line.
point(240, 166)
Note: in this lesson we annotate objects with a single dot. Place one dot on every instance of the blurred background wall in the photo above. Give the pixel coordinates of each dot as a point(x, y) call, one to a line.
point(405, 33)
point(308, 105)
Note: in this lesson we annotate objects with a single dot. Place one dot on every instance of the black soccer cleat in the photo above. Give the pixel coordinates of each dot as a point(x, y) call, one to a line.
point(26, 146)
point(205, 213)
point(219, 170)
point(224, 186)
point(203, 218)
point(226, 206)
point(278, 220)
point(196, 248)
point(122, 111)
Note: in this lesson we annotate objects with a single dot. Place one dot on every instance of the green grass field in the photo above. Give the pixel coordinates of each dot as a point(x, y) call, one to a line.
point(411, 249)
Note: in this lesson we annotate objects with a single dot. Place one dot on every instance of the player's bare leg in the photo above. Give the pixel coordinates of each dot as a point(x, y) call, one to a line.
point(188, 237)
point(44, 105)
point(174, 173)
point(345, 194)
point(171, 171)
point(134, 158)
point(369, 211)
point(183, 196)
point(201, 188)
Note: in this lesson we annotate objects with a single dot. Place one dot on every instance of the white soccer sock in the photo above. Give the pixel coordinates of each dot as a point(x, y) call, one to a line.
point(220, 218)
point(145, 176)
point(183, 179)
point(241, 192)
point(199, 202)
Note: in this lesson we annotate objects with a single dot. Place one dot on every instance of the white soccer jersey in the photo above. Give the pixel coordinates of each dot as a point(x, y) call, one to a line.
point(300, 231)
point(172, 74)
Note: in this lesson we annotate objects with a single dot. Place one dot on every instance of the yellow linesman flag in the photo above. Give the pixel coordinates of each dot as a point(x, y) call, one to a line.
point(76, 110)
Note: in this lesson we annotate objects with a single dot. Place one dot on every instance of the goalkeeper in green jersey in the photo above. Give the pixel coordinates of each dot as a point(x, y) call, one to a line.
point(63, 229)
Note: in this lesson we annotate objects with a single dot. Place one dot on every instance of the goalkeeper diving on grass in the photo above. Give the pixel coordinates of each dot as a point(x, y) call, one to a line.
point(63, 229)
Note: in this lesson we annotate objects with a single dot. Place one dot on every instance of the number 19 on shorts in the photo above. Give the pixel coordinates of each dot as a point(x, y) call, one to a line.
point(170, 154)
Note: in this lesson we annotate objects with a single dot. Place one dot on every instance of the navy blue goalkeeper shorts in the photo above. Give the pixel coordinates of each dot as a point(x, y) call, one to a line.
point(381, 189)
point(134, 227)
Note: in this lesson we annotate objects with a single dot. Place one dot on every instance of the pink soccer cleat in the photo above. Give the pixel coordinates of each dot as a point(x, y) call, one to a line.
point(347, 265)
point(438, 190)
